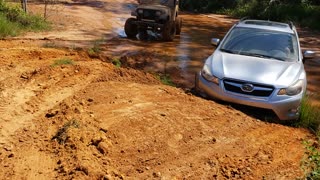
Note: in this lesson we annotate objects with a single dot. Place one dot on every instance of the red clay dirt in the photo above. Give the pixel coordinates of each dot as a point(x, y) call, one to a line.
point(88, 119)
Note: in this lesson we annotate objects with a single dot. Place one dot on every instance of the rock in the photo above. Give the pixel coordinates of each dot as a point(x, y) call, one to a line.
point(96, 140)
point(51, 113)
point(107, 177)
point(103, 147)
point(104, 129)
point(139, 170)
point(77, 110)
point(11, 155)
point(24, 76)
point(156, 174)
point(83, 169)
point(7, 148)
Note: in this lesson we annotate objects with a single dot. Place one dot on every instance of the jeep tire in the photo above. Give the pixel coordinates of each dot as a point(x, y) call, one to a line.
point(168, 31)
point(178, 25)
point(130, 28)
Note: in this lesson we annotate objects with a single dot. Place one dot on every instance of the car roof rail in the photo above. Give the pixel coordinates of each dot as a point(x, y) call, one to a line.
point(291, 25)
point(244, 18)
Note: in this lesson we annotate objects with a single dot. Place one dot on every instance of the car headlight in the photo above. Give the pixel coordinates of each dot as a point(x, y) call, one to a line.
point(292, 90)
point(205, 72)
point(140, 11)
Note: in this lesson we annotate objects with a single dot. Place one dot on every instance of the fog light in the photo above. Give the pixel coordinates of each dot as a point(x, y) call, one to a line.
point(140, 11)
point(293, 111)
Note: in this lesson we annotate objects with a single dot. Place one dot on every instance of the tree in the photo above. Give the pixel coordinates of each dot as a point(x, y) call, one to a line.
point(24, 5)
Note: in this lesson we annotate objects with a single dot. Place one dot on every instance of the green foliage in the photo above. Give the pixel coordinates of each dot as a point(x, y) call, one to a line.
point(8, 28)
point(302, 12)
point(165, 79)
point(310, 118)
point(96, 49)
point(14, 21)
point(116, 62)
point(63, 61)
point(311, 162)
point(309, 115)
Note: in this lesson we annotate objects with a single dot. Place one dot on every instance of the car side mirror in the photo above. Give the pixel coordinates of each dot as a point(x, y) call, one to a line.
point(309, 54)
point(215, 41)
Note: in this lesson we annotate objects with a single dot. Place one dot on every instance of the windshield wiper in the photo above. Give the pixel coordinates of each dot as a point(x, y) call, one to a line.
point(261, 56)
point(228, 51)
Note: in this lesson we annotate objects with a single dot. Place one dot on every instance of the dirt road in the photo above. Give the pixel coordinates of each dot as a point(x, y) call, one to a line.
point(88, 119)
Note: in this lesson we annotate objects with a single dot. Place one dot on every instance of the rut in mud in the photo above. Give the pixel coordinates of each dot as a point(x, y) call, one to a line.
point(89, 119)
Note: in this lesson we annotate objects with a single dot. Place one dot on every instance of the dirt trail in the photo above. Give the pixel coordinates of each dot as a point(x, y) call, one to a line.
point(92, 120)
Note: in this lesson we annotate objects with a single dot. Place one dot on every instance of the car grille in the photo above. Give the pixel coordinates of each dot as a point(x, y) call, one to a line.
point(149, 14)
point(236, 86)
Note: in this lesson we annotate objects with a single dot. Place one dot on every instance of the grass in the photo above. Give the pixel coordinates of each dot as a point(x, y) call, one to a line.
point(309, 116)
point(96, 49)
point(311, 161)
point(165, 79)
point(116, 62)
point(8, 28)
point(63, 61)
point(13, 21)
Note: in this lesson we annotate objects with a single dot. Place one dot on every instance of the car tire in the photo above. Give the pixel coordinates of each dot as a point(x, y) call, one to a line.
point(130, 28)
point(143, 35)
point(169, 31)
point(178, 25)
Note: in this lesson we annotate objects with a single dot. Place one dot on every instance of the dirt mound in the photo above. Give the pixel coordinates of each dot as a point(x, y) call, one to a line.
point(90, 119)
point(67, 115)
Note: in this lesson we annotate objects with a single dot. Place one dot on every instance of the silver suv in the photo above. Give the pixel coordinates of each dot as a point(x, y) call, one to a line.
point(258, 63)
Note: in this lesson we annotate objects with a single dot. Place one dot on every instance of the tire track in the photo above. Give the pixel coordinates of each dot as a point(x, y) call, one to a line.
point(23, 105)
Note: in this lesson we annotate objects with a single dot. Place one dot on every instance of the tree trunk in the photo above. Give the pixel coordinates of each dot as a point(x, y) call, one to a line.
point(24, 5)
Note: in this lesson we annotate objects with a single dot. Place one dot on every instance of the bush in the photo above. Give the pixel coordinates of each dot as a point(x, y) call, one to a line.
point(309, 116)
point(14, 21)
point(8, 28)
point(302, 12)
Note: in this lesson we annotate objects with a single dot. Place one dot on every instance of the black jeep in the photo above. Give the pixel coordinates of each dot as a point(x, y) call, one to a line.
point(159, 16)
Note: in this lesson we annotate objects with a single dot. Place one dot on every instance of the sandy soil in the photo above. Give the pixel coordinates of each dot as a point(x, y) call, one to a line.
point(93, 120)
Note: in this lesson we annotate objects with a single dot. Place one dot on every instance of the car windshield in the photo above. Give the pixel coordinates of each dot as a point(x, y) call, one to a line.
point(261, 43)
point(163, 2)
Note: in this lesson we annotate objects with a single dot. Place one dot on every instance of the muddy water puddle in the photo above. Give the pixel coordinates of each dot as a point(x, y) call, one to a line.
point(185, 56)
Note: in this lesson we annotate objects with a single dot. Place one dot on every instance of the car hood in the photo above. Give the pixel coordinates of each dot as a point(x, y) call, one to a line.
point(154, 7)
point(255, 69)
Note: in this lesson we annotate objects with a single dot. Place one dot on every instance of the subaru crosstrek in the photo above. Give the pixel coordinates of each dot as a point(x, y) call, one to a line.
point(258, 63)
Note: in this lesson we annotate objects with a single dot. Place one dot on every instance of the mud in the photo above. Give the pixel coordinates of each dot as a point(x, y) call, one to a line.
point(92, 120)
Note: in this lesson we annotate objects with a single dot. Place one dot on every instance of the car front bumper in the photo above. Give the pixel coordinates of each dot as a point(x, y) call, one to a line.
point(149, 24)
point(285, 107)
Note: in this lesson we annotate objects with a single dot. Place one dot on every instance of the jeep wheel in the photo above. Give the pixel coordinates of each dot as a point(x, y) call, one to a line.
point(169, 31)
point(143, 35)
point(178, 25)
point(130, 28)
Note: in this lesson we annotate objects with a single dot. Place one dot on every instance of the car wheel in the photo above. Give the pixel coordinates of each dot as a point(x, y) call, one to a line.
point(143, 35)
point(169, 31)
point(130, 28)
